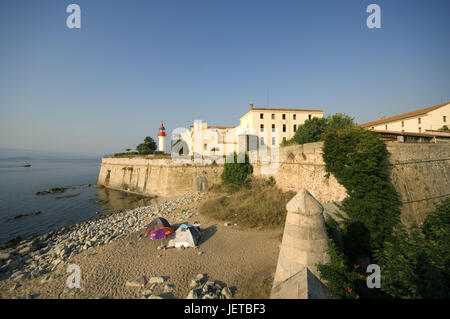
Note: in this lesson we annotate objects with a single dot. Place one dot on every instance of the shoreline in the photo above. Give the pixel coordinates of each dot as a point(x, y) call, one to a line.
point(32, 264)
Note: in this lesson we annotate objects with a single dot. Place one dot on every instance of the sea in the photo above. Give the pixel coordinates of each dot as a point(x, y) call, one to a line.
point(81, 201)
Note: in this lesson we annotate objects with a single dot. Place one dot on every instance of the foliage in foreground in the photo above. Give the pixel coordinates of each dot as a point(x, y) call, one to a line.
point(259, 204)
point(415, 263)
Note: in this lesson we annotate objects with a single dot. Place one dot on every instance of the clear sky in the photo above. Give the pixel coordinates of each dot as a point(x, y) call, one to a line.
point(104, 87)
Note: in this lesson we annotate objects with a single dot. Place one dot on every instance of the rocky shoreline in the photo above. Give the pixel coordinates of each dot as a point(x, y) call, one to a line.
point(44, 254)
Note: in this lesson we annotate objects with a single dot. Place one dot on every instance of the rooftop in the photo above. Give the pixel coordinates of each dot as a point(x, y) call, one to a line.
point(404, 115)
point(281, 109)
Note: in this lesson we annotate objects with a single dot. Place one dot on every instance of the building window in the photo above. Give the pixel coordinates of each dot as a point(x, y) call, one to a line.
point(295, 128)
point(403, 131)
point(261, 140)
point(273, 116)
point(284, 116)
point(273, 140)
point(205, 147)
point(284, 139)
point(420, 130)
point(419, 120)
point(385, 127)
point(273, 127)
point(261, 116)
point(295, 116)
point(309, 116)
point(444, 119)
point(403, 124)
point(284, 127)
point(261, 127)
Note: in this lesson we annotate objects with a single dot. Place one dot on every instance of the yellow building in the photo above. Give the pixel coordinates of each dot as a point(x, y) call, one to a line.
point(266, 121)
point(425, 120)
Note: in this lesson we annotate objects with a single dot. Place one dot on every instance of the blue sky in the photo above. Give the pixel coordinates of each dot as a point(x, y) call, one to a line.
point(106, 86)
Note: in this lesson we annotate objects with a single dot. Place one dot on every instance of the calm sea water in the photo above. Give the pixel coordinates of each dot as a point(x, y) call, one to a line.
point(19, 185)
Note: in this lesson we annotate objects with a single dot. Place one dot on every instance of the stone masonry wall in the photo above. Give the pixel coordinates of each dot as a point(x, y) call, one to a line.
point(156, 176)
point(419, 172)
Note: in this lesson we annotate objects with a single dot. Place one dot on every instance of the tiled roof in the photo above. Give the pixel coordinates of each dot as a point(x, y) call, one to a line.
point(404, 133)
point(285, 109)
point(404, 115)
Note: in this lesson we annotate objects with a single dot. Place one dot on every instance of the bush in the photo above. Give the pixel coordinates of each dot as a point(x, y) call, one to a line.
point(415, 262)
point(261, 204)
point(237, 173)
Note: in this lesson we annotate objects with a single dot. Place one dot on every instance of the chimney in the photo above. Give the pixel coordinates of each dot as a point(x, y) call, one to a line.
point(251, 106)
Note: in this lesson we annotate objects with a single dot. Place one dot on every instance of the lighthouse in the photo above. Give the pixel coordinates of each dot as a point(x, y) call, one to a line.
point(162, 138)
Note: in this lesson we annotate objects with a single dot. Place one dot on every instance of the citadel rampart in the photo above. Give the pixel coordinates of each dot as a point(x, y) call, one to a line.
point(419, 172)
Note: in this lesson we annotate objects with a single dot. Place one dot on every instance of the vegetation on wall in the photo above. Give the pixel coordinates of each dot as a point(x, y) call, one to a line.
point(359, 160)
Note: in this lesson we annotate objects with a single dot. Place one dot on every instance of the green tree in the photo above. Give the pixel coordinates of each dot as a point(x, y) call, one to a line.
point(148, 147)
point(445, 128)
point(315, 129)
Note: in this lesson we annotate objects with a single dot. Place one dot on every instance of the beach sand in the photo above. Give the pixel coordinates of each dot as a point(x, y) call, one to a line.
point(243, 259)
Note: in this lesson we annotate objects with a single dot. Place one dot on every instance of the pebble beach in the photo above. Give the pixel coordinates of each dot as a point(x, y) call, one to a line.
point(117, 262)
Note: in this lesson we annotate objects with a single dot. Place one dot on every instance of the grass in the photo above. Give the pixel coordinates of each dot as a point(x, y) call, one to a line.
point(261, 204)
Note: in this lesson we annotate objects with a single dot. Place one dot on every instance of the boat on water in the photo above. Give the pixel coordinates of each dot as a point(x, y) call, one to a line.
point(27, 164)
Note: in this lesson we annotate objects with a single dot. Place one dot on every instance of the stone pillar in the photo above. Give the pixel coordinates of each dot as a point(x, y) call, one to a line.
point(304, 244)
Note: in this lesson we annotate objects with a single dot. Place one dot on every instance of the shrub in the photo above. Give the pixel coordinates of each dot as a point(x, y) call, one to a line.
point(343, 282)
point(237, 173)
point(415, 262)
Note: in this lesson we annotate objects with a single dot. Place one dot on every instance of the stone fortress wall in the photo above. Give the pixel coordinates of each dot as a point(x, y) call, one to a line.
point(420, 173)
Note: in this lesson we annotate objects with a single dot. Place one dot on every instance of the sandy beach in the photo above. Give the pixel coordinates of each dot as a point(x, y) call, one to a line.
point(243, 259)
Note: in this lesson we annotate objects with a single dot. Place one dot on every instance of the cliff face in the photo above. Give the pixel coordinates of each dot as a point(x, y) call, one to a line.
point(420, 173)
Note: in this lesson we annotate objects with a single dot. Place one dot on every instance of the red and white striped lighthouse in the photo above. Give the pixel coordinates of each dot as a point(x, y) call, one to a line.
point(162, 138)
